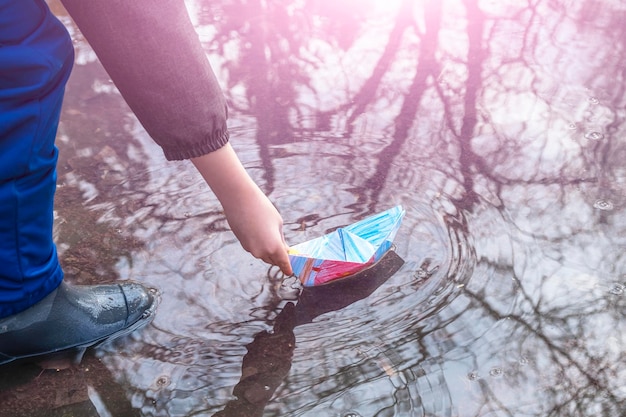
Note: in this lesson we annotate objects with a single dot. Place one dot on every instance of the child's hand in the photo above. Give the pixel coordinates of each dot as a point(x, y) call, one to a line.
point(258, 226)
point(250, 214)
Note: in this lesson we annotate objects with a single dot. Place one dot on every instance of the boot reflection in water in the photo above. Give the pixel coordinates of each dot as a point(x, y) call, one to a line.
point(39, 314)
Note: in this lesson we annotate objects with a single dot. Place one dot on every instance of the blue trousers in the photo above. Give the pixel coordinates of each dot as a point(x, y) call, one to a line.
point(36, 58)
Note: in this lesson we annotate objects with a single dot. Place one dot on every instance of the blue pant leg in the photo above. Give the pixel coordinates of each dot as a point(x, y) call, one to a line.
point(36, 57)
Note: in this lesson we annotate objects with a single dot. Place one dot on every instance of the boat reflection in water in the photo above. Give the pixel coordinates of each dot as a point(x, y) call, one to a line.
point(270, 354)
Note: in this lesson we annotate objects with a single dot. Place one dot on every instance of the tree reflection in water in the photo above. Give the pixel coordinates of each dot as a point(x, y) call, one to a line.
point(499, 126)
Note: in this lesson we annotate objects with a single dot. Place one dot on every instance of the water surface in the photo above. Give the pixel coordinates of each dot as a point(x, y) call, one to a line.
point(498, 125)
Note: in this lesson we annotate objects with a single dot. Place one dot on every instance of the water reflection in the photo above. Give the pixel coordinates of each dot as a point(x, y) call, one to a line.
point(499, 126)
point(269, 357)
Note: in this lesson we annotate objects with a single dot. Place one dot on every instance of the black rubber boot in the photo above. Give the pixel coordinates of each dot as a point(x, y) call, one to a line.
point(75, 317)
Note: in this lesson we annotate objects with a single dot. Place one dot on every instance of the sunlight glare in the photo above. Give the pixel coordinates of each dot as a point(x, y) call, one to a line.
point(385, 5)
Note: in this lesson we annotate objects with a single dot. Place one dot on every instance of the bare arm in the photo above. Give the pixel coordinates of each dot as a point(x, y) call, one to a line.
point(250, 214)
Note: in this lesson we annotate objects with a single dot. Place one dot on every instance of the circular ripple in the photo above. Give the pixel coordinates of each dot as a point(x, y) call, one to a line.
point(603, 205)
point(617, 289)
point(594, 135)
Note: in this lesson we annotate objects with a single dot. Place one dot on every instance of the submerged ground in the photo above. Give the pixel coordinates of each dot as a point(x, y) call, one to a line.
point(498, 125)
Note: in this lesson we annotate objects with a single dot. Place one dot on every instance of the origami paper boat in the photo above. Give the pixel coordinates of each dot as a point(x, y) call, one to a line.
point(346, 250)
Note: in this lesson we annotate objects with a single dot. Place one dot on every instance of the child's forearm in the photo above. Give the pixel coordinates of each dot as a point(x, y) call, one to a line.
point(224, 173)
point(250, 214)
